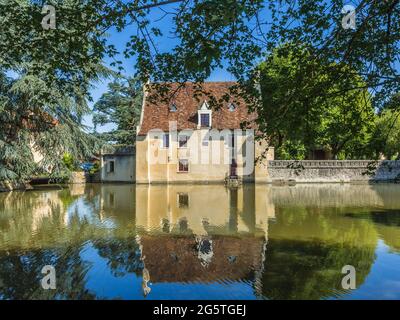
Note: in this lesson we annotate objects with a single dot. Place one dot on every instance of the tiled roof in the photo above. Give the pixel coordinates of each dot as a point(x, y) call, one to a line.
point(157, 115)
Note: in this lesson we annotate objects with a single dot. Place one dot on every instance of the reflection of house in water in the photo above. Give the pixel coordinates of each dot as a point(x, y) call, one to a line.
point(175, 259)
point(117, 200)
point(206, 208)
point(45, 206)
point(203, 233)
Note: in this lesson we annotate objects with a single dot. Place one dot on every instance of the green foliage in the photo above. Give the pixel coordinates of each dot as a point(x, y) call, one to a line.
point(295, 114)
point(120, 106)
point(370, 50)
point(54, 69)
point(45, 77)
point(386, 140)
point(291, 150)
point(96, 168)
point(69, 162)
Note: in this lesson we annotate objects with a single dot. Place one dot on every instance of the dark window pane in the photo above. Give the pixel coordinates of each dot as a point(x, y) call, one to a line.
point(205, 120)
point(183, 141)
point(111, 166)
point(183, 200)
point(183, 166)
point(166, 140)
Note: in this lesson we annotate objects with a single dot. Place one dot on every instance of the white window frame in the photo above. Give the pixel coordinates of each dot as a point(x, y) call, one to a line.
point(179, 141)
point(204, 109)
point(188, 166)
point(163, 141)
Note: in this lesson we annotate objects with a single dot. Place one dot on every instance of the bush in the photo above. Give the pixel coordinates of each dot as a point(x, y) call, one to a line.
point(69, 162)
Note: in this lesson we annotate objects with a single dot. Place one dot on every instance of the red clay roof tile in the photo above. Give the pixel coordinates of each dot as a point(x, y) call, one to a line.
point(158, 115)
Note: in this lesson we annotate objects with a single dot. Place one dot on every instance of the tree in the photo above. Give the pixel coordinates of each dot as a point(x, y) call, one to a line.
point(386, 138)
point(60, 65)
point(45, 77)
point(371, 48)
point(298, 119)
point(28, 129)
point(121, 106)
point(53, 70)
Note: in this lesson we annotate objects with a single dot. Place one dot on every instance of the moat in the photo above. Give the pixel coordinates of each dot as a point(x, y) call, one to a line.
point(201, 241)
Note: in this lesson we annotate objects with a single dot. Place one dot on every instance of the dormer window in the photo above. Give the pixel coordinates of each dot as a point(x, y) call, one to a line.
point(204, 120)
point(231, 107)
point(173, 108)
point(204, 115)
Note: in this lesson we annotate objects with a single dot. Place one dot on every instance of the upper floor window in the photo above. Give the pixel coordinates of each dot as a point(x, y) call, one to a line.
point(183, 140)
point(205, 120)
point(204, 116)
point(165, 140)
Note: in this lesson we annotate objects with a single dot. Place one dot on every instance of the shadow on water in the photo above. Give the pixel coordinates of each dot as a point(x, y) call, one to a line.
point(193, 241)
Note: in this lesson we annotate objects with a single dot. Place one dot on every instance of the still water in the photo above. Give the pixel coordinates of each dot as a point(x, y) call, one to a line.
point(201, 242)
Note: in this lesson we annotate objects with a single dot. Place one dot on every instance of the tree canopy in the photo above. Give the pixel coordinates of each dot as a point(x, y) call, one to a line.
point(120, 106)
point(52, 70)
point(299, 120)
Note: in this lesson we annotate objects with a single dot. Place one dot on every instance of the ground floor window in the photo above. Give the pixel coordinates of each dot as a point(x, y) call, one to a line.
point(183, 165)
point(111, 166)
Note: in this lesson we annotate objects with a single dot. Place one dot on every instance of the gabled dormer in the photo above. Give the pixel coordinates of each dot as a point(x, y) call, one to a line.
point(204, 116)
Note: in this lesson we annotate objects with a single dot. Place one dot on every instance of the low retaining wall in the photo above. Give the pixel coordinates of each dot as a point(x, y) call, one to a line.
point(78, 177)
point(10, 186)
point(333, 171)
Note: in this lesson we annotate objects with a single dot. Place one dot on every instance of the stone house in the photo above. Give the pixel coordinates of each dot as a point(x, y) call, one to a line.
point(184, 140)
point(117, 164)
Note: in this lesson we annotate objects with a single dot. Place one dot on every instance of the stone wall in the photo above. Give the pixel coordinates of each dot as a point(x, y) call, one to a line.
point(6, 186)
point(333, 171)
point(78, 177)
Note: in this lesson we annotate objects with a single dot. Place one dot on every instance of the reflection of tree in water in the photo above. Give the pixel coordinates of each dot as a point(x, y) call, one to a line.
point(306, 253)
point(20, 274)
point(310, 270)
point(34, 232)
point(387, 224)
point(123, 255)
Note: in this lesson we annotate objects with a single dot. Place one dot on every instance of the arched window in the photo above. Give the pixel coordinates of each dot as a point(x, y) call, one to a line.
point(173, 108)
